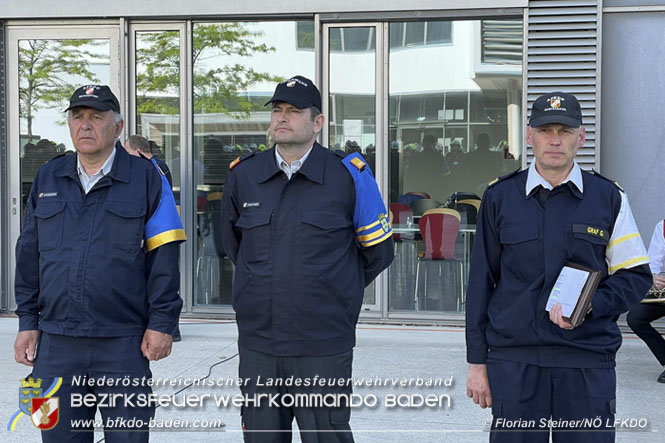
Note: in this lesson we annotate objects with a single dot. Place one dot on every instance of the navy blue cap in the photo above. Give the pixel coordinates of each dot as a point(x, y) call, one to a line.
point(94, 96)
point(556, 107)
point(298, 91)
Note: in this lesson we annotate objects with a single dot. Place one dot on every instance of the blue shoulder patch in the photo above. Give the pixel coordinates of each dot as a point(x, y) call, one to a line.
point(370, 218)
point(164, 225)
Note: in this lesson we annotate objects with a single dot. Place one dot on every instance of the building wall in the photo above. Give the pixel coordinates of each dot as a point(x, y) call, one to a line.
point(3, 165)
point(633, 98)
point(48, 9)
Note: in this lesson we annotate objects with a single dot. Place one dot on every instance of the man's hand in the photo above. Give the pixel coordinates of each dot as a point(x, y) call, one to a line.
point(658, 281)
point(556, 316)
point(477, 385)
point(24, 347)
point(156, 345)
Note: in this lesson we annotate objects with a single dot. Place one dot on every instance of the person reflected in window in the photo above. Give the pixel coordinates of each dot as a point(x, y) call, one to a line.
point(428, 171)
point(455, 157)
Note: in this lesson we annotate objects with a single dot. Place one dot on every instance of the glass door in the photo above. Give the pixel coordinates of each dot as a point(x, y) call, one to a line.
point(433, 106)
point(45, 66)
point(352, 101)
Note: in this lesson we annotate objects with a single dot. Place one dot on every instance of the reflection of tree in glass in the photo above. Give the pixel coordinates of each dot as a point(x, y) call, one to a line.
point(216, 89)
point(44, 69)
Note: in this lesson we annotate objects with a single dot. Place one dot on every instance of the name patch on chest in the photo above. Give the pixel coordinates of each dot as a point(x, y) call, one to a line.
point(590, 230)
point(251, 204)
point(48, 194)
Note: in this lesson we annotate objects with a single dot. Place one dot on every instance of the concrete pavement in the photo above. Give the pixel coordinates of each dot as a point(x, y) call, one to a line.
point(390, 354)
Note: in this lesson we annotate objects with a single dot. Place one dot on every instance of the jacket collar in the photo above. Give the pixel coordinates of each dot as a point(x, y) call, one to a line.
point(312, 169)
point(120, 170)
point(573, 181)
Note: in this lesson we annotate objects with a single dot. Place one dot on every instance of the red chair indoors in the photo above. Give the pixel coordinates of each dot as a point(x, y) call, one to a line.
point(439, 229)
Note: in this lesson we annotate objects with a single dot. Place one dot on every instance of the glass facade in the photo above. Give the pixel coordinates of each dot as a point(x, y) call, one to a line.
point(235, 68)
point(449, 132)
point(49, 71)
point(451, 123)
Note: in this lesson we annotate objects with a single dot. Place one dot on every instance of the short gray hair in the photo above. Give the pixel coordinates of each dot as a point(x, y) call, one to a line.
point(117, 117)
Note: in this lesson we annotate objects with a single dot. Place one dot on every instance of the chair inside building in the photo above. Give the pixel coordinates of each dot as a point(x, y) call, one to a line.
point(467, 204)
point(421, 205)
point(439, 275)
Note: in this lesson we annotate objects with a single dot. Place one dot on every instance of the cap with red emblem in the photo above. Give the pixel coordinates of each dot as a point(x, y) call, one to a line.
point(298, 91)
point(94, 96)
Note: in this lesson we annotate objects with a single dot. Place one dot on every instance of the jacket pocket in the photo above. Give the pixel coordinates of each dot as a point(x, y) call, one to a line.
point(126, 221)
point(518, 234)
point(50, 222)
point(324, 236)
point(255, 242)
point(587, 245)
point(596, 239)
point(519, 245)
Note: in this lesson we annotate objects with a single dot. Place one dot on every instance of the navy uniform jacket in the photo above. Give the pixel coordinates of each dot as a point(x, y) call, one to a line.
point(302, 251)
point(103, 264)
point(520, 247)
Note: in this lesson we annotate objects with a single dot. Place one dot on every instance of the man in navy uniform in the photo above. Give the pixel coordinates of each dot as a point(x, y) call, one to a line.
point(529, 365)
point(97, 271)
point(308, 231)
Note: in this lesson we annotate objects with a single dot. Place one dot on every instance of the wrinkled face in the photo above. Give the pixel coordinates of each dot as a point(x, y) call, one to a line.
point(293, 126)
point(93, 131)
point(555, 145)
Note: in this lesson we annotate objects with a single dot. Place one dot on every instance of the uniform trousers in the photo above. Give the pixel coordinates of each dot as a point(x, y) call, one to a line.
point(267, 423)
point(639, 319)
point(529, 401)
point(98, 359)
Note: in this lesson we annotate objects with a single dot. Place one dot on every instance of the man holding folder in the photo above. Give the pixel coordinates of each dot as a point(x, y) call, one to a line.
point(532, 366)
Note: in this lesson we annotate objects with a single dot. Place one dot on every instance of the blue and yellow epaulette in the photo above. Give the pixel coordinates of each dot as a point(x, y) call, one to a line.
point(370, 217)
point(235, 162)
point(503, 177)
point(597, 174)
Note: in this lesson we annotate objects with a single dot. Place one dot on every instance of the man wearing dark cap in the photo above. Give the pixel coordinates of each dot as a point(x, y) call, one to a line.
point(532, 367)
point(307, 230)
point(96, 278)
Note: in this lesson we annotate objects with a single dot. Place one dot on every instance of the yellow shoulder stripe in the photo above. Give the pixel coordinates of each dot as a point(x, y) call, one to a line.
point(234, 163)
point(622, 239)
point(368, 226)
point(386, 236)
point(629, 263)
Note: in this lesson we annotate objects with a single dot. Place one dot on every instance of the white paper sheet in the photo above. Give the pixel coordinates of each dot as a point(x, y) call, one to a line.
point(567, 289)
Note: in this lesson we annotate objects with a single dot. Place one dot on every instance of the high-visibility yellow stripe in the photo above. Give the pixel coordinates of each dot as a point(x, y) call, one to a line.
point(368, 226)
point(164, 238)
point(623, 239)
point(638, 260)
point(372, 236)
point(379, 240)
